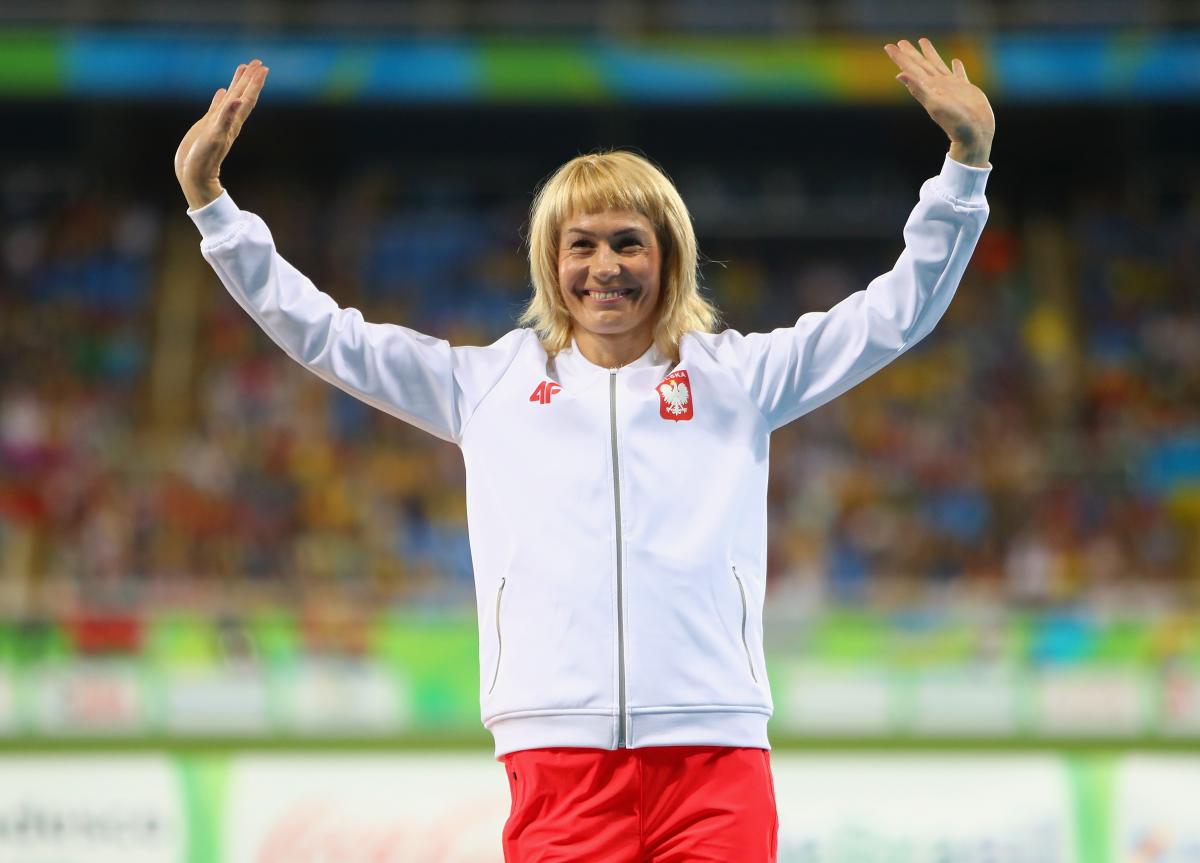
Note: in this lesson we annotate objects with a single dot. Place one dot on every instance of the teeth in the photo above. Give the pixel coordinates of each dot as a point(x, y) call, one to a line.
point(607, 295)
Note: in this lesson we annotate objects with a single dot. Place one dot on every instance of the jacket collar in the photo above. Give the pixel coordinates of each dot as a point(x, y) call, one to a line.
point(570, 361)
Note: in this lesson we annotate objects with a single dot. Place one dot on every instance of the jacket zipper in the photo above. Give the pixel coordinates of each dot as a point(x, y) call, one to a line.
point(742, 591)
point(499, 644)
point(612, 415)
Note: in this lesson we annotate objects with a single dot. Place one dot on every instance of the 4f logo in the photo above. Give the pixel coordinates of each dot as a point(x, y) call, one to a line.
point(544, 391)
point(675, 397)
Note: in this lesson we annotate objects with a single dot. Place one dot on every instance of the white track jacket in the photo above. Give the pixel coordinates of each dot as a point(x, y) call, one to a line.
point(617, 517)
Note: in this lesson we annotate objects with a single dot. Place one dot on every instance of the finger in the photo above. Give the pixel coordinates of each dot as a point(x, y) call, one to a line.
point(932, 55)
point(250, 97)
point(237, 74)
point(902, 59)
point(247, 76)
point(960, 70)
point(917, 57)
point(255, 87)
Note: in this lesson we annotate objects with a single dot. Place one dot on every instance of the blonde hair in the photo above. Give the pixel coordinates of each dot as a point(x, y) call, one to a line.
point(617, 180)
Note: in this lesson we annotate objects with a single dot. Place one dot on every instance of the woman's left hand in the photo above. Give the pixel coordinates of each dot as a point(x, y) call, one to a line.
point(954, 103)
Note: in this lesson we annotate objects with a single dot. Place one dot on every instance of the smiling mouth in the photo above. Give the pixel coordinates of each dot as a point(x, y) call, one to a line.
point(610, 296)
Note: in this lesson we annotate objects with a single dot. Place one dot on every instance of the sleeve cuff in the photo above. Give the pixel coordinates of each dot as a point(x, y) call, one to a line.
point(217, 218)
point(964, 182)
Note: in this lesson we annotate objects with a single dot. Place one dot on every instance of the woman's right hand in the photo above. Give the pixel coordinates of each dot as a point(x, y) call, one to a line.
point(203, 149)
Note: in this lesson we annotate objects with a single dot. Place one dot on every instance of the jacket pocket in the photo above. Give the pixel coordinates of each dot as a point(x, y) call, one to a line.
point(745, 646)
point(499, 643)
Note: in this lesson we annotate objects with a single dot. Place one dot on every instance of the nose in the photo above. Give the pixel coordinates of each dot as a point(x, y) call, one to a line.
point(606, 266)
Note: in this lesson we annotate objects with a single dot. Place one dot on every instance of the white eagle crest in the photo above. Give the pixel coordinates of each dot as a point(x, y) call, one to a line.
point(675, 394)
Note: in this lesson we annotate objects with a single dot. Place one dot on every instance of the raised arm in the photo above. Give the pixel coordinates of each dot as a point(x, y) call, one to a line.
point(412, 376)
point(793, 370)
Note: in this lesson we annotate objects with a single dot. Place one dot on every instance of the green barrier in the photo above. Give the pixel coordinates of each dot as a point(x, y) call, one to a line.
point(203, 784)
point(440, 659)
point(1092, 785)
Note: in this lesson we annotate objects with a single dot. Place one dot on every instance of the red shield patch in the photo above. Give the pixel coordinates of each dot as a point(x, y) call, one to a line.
point(675, 396)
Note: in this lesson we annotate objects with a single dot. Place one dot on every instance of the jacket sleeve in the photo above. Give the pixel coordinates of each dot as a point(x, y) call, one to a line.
point(793, 370)
point(412, 376)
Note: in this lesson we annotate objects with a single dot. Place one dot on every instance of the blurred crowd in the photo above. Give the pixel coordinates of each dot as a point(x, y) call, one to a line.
point(157, 451)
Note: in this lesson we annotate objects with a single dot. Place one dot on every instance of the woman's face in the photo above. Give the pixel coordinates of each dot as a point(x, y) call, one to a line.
point(609, 269)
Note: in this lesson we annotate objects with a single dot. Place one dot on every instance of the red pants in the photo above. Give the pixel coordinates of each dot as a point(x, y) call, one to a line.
point(655, 804)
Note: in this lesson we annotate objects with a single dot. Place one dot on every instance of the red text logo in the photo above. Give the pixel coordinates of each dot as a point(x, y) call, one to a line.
point(544, 391)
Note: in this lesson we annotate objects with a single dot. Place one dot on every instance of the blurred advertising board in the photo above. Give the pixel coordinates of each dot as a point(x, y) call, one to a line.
point(93, 808)
point(350, 808)
point(1156, 812)
point(831, 699)
point(88, 696)
point(332, 696)
point(1180, 704)
point(233, 699)
point(996, 808)
point(1081, 701)
point(847, 676)
point(982, 701)
point(450, 807)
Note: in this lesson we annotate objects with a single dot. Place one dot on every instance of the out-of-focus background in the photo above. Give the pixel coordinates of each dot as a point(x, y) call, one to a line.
point(236, 605)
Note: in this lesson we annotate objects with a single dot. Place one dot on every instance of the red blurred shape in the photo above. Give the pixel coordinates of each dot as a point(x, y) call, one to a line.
point(96, 633)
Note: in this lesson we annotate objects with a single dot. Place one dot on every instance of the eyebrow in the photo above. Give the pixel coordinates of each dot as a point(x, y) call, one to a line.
point(632, 229)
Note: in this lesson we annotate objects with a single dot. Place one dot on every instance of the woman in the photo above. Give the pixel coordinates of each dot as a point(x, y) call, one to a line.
point(616, 458)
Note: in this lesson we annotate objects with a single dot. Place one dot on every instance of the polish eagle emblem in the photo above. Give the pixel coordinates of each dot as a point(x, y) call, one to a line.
point(675, 394)
point(675, 397)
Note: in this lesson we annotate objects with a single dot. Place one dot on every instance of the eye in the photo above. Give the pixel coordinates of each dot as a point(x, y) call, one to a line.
point(580, 244)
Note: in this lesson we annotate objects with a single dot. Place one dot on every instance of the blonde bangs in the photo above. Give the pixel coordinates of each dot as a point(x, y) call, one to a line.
point(592, 186)
point(617, 180)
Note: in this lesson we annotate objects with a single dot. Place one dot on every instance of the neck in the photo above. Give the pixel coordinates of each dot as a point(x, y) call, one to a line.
point(612, 351)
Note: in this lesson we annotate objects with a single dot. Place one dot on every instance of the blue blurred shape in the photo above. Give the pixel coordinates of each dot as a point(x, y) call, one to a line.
point(959, 512)
point(1062, 638)
point(303, 68)
point(1171, 463)
point(1072, 66)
